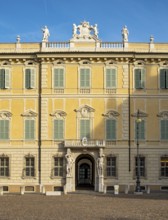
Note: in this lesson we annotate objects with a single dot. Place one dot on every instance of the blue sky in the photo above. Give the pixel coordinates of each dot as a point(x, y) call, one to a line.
point(26, 18)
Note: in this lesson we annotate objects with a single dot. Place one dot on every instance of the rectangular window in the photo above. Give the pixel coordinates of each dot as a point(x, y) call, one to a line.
point(58, 129)
point(84, 78)
point(4, 166)
point(140, 130)
point(164, 78)
point(85, 128)
point(110, 78)
point(111, 166)
point(30, 78)
point(30, 167)
point(164, 130)
point(58, 78)
point(4, 79)
point(4, 129)
point(164, 166)
point(29, 129)
point(110, 129)
point(139, 78)
point(141, 166)
point(58, 166)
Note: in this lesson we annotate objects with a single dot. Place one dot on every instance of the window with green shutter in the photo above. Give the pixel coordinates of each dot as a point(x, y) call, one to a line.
point(85, 128)
point(110, 129)
point(4, 79)
point(140, 127)
point(58, 78)
point(30, 78)
point(29, 129)
point(139, 75)
point(164, 78)
point(84, 78)
point(110, 78)
point(4, 129)
point(164, 130)
point(58, 129)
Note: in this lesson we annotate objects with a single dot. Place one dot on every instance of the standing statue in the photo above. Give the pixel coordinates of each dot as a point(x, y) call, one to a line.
point(74, 30)
point(125, 34)
point(100, 163)
point(46, 34)
point(95, 30)
point(70, 162)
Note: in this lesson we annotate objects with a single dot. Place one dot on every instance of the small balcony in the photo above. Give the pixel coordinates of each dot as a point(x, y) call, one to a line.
point(84, 143)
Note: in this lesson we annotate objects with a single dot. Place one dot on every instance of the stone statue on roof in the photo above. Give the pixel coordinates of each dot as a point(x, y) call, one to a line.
point(125, 34)
point(46, 33)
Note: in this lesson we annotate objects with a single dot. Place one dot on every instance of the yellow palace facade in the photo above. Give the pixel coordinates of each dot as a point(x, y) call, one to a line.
point(69, 110)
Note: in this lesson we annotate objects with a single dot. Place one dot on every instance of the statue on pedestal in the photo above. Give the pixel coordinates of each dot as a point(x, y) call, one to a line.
point(70, 161)
point(125, 34)
point(46, 34)
point(100, 163)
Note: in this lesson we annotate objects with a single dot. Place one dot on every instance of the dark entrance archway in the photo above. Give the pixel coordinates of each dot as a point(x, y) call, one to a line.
point(85, 172)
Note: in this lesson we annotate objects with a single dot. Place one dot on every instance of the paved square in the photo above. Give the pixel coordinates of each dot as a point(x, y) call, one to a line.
point(84, 206)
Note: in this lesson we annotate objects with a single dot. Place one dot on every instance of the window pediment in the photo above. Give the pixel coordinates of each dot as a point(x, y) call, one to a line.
point(140, 114)
point(85, 111)
point(29, 113)
point(59, 114)
point(111, 114)
point(163, 114)
point(5, 114)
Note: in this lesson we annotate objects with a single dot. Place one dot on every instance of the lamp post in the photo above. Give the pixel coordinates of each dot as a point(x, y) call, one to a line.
point(138, 116)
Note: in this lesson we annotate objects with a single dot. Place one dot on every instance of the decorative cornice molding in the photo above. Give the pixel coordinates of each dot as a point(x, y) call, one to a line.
point(111, 114)
point(140, 114)
point(59, 114)
point(163, 114)
point(29, 113)
point(5, 114)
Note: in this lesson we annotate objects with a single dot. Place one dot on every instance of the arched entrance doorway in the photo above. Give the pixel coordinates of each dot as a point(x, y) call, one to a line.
point(85, 172)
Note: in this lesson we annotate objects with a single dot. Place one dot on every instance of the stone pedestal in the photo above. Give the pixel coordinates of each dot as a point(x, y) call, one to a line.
point(69, 184)
point(100, 184)
point(1, 190)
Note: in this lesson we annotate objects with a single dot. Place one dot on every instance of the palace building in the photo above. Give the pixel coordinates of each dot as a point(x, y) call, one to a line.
point(83, 113)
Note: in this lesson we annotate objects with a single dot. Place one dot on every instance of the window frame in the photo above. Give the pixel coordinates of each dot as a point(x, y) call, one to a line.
point(29, 167)
point(5, 166)
point(30, 129)
point(111, 167)
point(90, 125)
point(142, 83)
point(161, 120)
point(60, 167)
point(165, 167)
point(105, 77)
point(165, 81)
point(5, 84)
point(32, 72)
point(114, 120)
point(79, 73)
point(8, 135)
point(62, 132)
point(142, 167)
point(53, 77)
point(135, 130)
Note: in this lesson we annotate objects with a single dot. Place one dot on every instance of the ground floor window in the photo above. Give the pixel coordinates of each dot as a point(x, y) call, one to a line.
point(164, 166)
point(141, 166)
point(4, 166)
point(29, 166)
point(111, 166)
point(58, 166)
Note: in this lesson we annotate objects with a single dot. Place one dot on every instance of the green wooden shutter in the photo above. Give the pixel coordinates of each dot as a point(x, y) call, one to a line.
point(7, 78)
point(142, 78)
point(84, 128)
point(4, 129)
point(29, 129)
point(141, 131)
point(164, 129)
point(110, 78)
point(162, 79)
point(28, 78)
point(110, 129)
point(58, 129)
point(32, 78)
point(84, 78)
point(2, 78)
point(58, 78)
point(137, 78)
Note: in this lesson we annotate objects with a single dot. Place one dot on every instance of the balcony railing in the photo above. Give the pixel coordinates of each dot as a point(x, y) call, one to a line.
point(85, 143)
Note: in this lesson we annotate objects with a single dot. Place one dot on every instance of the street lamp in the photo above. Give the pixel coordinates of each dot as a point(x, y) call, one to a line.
point(138, 116)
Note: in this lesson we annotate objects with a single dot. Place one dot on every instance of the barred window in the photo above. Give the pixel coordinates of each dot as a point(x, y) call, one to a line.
point(164, 166)
point(4, 166)
point(58, 166)
point(111, 166)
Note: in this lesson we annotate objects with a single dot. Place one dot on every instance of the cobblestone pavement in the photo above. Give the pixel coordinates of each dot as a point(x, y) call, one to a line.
point(84, 206)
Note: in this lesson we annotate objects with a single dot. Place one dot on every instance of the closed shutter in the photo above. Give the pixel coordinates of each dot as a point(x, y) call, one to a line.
point(164, 78)
point(29, 129)
point(84, 78)
point(58, 78)
point(32, 79)
point(110, 78)
point(2, 78)
point(58, 129)
point(4, 129)
point(28, 78)
point(141, 130)
point(139, 78)
point(164, 129)
point(85, 128)
point(110, 129)
point(7, 79)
